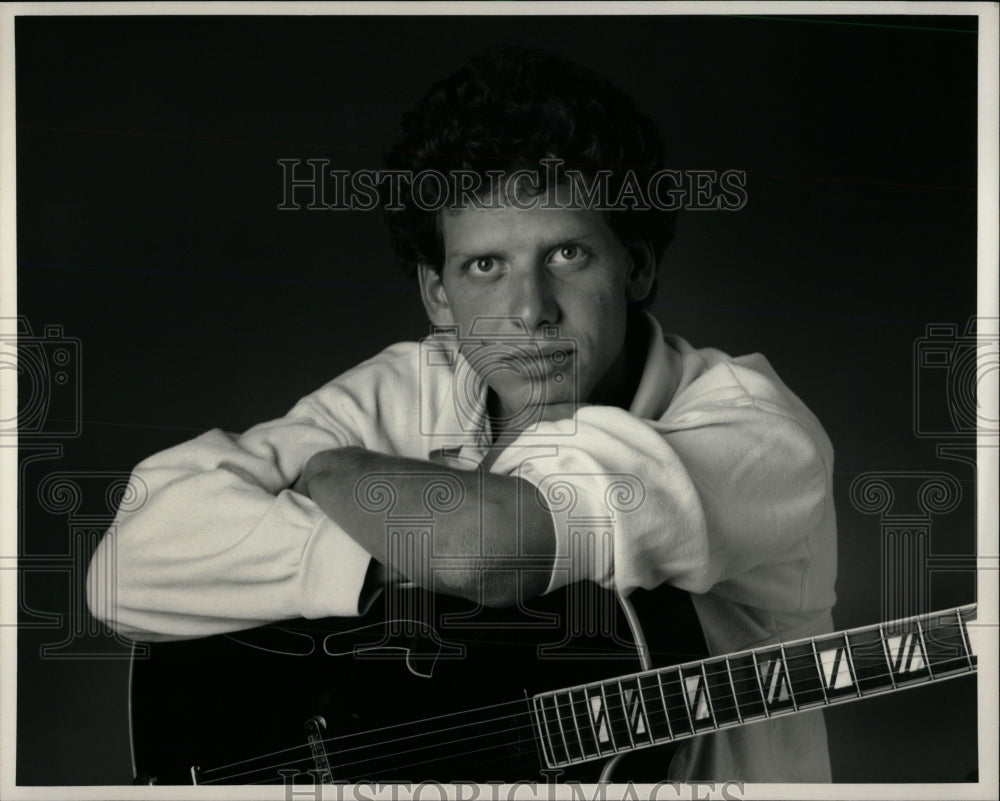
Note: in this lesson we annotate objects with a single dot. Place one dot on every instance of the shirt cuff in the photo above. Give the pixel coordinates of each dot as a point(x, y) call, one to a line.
point(585, 498)
point(333, 573)
point(583, 505)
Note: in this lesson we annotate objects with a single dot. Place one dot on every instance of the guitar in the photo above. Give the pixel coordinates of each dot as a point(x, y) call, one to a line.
point(427, 687)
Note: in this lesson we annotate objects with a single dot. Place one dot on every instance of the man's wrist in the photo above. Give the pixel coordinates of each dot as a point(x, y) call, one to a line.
point(323, 463)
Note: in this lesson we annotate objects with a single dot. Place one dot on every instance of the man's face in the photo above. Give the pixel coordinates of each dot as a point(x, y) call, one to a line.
point(511, 278)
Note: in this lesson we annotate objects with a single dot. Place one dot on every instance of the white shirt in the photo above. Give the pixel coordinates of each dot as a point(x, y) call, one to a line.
point(719, 481)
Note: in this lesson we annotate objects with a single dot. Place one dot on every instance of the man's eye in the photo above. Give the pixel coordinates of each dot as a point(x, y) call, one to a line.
point(483, 264)
point(569, 253)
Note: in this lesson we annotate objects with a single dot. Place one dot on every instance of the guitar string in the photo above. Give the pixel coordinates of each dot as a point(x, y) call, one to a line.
point(452, 754)
point(809, 667)
point(713, 662)
point(820, 640)
point(739, 697)
point(449, 757)
point(383, 743)
point(444, 757)
point(368, 732)
point(753, 680)
point(560, 708)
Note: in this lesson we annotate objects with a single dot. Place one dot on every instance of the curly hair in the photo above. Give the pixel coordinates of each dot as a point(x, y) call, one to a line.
point(507, 111)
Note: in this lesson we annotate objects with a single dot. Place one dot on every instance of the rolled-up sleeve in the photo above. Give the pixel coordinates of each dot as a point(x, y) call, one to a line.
point(714, 489)
point(211, 545)
point(211, 538)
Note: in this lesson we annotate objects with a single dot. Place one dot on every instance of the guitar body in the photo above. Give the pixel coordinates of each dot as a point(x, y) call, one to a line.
point(424, 687)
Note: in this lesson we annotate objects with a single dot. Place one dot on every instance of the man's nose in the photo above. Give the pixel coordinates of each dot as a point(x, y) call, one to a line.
point(531, 303)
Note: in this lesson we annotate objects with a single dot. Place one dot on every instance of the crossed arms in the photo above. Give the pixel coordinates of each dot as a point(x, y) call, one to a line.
point(498, 526)
point(225, 532)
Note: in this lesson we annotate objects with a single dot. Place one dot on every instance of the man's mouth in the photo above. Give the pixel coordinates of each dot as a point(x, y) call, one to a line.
point(527, 349)
point(534, 360)
point(528, 360)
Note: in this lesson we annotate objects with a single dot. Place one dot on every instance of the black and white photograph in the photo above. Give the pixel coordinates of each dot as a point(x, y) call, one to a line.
point(499, 400)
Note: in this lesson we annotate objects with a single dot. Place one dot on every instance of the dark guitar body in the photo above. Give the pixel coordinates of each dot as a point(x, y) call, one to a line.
point(390, 688)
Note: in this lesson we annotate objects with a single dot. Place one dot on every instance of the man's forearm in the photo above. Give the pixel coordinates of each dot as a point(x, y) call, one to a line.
point(487, 538)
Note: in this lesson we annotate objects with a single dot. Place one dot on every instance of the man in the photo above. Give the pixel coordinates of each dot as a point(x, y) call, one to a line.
point(544, 372)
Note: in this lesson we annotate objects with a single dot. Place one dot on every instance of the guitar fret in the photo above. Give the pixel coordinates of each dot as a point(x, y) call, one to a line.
point(966, 644)
point(732, 686)
point(805, 674)
point(888, 659)
point(760, 684)
point(721, 695)
point(684, 700)
point(625, 713)
point(562, 732)
point(628, 718)
point(663, 700)
point(749, 698)
point(788, 676)
point(944, 646)
point(543, 726)
point(590, 718)
point(819, 671)
point(850, 665)
point(645, 712)
point(676, 703)
point(636, 719)
point(554, 742)
point(708, 696)
point(908, 655)
point(923, 648)
point(607, 720)
point(576, 726)
point(868, 656)
point(775, 677)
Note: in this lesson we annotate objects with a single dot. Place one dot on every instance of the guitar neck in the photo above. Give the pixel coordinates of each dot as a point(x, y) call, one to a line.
point(641, 710)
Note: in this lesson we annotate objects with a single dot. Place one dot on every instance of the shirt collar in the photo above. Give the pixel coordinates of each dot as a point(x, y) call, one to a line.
point(660, 375)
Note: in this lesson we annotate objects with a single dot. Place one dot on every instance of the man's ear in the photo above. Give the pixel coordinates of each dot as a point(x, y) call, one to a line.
point(642, 271)
point(433, 295)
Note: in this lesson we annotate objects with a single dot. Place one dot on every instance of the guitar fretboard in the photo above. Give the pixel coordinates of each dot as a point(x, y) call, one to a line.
point(641, 710)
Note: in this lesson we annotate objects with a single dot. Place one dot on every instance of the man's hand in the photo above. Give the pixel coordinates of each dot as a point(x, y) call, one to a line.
point(497, 544)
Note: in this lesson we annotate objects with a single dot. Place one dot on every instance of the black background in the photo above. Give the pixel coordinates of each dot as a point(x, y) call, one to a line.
point(148, 186)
